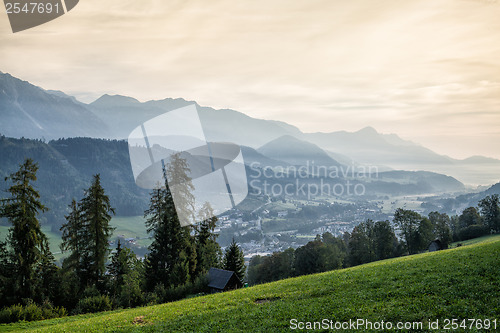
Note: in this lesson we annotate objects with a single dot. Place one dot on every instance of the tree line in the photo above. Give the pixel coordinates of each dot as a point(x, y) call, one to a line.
point(369, 241)
point(94, 277)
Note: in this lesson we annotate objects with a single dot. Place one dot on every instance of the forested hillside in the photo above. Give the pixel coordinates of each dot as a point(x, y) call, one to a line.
point(66, 169)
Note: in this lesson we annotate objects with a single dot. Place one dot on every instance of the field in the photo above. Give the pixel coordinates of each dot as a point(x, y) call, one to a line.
point(461, 283)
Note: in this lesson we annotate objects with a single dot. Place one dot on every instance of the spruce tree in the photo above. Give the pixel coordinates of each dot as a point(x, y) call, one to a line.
point(28, 244)
point(86, 235)
point(208, 251)
point(6, 271)
point(234, 260)
point(74, 239)
point(172, 257)
point(96, 213)
point(125, 272)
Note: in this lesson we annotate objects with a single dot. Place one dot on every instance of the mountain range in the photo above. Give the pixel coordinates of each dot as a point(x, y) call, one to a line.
point(32, 112)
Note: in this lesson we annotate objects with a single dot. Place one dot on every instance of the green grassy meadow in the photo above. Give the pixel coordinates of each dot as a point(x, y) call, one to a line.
point(461, 283)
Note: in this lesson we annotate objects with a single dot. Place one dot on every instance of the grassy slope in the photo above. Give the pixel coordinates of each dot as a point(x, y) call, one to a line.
point(457, 283)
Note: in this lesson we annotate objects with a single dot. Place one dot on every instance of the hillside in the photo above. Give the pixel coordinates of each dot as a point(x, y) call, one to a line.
point(423, 180)
point(461, 283)
point(457, 204)
point(66, 168)
point(297, 152)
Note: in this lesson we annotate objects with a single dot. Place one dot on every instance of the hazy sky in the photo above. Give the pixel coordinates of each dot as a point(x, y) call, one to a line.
point(427, 70)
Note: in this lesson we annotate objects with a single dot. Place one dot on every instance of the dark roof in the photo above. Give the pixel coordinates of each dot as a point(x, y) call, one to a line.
point(219, 278)
point(436, 241)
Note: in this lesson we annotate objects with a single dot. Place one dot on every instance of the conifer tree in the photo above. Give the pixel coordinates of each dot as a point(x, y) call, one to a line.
point(125, 272)
point(208, 251)
point(28, 244)
point(96, 213)
point(86, 235)
point(75, 240)
point(234, 260)
point(172, 257)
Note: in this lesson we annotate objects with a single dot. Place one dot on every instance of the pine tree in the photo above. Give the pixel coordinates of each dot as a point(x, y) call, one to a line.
point(86, 235)
point(172, 257)
point(49, 280)
point(234, 260)
point(96, 213)
point(125, 272)
point(6, 271)
point(118, 267)
point(27, 242)
point(208, 251)
point(74, 238)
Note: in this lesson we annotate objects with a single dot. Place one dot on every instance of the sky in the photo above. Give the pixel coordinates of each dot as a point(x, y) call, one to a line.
point(427, 70)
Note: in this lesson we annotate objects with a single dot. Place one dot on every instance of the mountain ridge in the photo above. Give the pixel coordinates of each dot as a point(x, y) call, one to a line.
point(53, 114)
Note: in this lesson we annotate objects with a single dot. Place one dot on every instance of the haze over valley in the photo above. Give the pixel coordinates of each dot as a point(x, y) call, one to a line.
point(300, 184)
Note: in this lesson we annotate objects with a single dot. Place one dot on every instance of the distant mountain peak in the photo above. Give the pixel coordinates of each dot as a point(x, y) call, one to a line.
point(367, 130)
point(114, 100)
point(294, 151)
point(290, 138)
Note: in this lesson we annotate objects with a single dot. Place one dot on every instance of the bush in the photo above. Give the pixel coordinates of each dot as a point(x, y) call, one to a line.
point(30, 312)
point(11, 314)
point(151, 299)
point(131, 294)
point(199, 286)
point(93, 304)
point(473, 231)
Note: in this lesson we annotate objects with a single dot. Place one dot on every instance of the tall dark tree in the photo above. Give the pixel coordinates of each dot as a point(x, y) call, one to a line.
point(118, 267)
point(208, 251)
point(74, 239)
point(49, 278)
point(86, 234)
point(320, 255)
point(255, 270)
point(96, 213)
point(28, 244)
point(425, 234)
point(470, 216)
point(6, 272)
point(490, 210)
point(442, 227)
point(172, 256)
point(408, 222)
point(455, 226)
point(361, 244)
point(234, 260)
point(125, 272)
point(385, 241)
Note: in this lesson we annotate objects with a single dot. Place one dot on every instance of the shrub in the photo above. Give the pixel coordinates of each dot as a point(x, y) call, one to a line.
point(93, 304)
point(151, 299)
point(473, 231)
point(199, 286)
point(30, 312)
point(11, 314)
point(131, 293)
